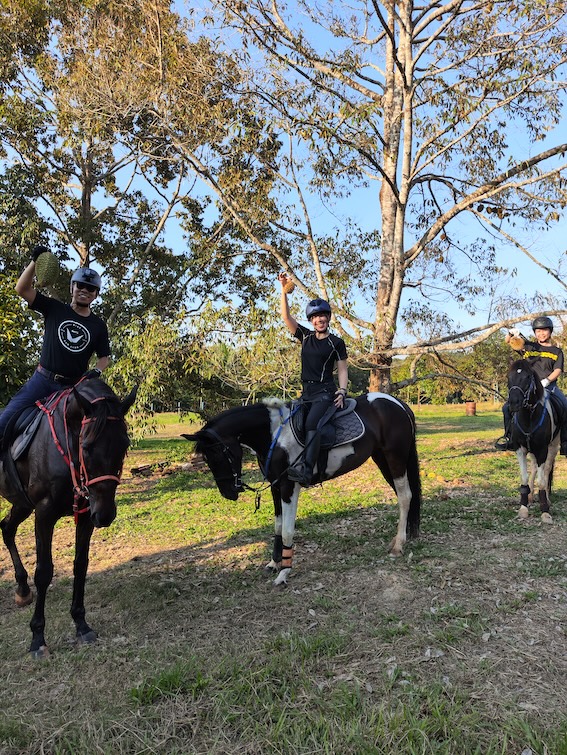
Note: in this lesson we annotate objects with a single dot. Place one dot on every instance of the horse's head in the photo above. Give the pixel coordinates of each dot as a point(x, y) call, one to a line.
point(102, 444)
point(524, 387)
point(224, 458)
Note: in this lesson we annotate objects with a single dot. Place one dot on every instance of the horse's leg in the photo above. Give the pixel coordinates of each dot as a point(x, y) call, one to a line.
point(544, 478)
point(83, 532)
point(525, 476)
point(404, 495)
point(289, 514)
point(9, 526)
point(275, 564)
point(44, 524)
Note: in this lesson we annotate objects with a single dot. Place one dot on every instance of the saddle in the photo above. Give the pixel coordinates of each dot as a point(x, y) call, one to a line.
point(336, 427)
point(20, 431)
point(558, 408)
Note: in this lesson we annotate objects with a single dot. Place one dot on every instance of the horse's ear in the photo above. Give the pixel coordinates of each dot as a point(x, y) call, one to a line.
point(127, 402)
point(84, 403)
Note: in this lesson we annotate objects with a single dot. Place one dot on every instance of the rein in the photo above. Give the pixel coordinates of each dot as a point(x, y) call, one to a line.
point(236, 475)
point(80, 481)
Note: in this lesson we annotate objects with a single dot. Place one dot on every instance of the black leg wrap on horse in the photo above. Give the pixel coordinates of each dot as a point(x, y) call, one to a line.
point(278, 549)
point(524, 493)
point(543, 502)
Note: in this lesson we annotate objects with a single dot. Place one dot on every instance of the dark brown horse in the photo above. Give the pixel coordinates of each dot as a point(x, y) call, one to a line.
point(72, 467)
point(386, 434)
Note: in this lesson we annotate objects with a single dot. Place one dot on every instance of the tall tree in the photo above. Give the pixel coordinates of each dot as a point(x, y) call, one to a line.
point(76, 126)
point(449, 109)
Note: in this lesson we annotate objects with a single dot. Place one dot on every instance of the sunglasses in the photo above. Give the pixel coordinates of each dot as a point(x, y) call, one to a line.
point(87, 287)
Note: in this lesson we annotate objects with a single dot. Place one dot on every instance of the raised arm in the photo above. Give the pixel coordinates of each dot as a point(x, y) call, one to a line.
point(24, 286)
point(290, 322)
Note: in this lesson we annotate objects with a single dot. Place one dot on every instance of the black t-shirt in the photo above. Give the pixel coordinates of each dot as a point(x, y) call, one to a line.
point(542, 359)
point(69, 340)
point(318, 355)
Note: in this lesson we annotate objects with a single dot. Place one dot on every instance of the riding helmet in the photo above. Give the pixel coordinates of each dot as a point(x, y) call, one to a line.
point(86, 275)
point(317, 307)
point(542, 322)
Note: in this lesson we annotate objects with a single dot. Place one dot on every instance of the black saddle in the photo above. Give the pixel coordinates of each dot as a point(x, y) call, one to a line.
point(336, 427)
point(20, 431)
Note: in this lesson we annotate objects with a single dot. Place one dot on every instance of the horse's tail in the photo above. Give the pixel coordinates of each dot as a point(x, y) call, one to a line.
point(414, 479)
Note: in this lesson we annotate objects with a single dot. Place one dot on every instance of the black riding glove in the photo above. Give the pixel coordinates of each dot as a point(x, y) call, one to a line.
point(94, 373)
point(37, 250)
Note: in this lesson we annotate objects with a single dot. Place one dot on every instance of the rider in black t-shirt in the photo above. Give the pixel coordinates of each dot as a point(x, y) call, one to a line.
point(546, 360)
point(72, 335)
point(320, 351)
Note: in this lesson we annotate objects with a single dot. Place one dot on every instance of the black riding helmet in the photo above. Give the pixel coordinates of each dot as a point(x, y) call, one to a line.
point(317, 307)
point(542, 323)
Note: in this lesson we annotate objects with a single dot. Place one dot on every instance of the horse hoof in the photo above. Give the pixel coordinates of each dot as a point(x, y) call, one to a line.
point(272, 567)
point(546, 518)
point(24, 600)
point(395, 550)
point(87, 639)
point(41, 654)
point(281, 579)
point(523, 513)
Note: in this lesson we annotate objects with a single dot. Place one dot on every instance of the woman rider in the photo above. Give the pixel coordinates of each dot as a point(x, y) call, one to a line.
point(546, 360)
point(320, 350)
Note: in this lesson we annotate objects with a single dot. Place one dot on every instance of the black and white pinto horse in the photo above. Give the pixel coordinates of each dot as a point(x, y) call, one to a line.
point(536, 431)
point(386, 433)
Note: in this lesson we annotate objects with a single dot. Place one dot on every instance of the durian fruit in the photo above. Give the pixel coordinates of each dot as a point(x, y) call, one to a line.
point(46, 269)
point(517, 343)
point(289, 286)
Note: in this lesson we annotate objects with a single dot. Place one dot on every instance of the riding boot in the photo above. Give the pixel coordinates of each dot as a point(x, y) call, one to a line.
point(505, 443)
point(302, 472)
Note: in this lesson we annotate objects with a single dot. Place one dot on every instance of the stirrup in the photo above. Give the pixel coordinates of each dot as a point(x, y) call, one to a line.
point(504, 444)
point(299, 475)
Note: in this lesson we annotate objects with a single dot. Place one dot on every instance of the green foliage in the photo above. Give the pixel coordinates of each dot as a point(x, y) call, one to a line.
point(147, 349)
point(20, 340)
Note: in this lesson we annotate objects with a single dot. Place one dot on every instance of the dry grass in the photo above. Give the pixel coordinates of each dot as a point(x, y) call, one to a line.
point(458, 647)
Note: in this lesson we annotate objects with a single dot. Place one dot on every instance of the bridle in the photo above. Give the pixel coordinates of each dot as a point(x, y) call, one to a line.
point(235, 468)
point(526, 404)
point(525, 393)
point(78, 470)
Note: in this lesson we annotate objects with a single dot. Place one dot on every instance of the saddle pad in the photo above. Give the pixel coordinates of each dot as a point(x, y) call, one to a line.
point(348, 428)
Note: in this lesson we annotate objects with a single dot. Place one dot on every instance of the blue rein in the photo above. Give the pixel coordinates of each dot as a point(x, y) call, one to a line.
point(283, 423)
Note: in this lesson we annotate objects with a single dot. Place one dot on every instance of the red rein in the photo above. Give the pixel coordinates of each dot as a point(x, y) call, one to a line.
point(81, 482)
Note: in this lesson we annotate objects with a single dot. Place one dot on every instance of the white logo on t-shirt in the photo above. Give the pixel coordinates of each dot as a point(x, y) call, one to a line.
point(74, 336)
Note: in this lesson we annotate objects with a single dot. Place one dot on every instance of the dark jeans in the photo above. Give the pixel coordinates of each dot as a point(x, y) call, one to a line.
point(38, 386)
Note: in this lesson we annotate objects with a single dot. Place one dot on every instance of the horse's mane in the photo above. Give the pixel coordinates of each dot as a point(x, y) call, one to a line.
point(235, 414)
point(273, 402)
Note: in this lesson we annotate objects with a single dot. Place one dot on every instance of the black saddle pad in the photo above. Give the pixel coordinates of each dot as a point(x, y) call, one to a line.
point(345, 426)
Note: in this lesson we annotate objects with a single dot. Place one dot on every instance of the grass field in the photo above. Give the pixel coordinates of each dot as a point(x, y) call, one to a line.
point(458, 647)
